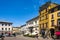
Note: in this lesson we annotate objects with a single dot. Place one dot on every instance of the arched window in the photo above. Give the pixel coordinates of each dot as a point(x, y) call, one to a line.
point(5, 24)
point(58, 14)
point(5, 28)
point(52, 16)
point(9, 28)
point(2, 24)
point(2, 28)
point(9, 24)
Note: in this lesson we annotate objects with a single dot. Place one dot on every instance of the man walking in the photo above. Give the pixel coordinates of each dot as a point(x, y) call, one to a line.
point(37, 37)
point(52, 32)
point(43, 33)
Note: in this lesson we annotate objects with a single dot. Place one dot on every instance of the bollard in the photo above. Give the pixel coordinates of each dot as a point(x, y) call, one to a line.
point(2, 38)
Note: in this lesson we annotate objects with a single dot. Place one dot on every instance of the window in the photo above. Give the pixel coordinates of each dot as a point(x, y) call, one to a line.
point(40, 13)
point(36, 22)
point(51, 10)
point(44, 10)
point(9, 24)
point(9, 28)
point(58, 14)
point(43, 25)
point(2, 24)
point(55, 9)
point(52, 16)
point(46, 16)
point(2, 28)
point(5, 24)
point(58, 22)
point(52, 23)
point(46, 25)
point(30, 23)
point(40, 26)
point(5, 28)
point(40, 18)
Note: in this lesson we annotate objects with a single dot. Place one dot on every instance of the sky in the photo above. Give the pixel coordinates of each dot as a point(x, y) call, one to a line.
point(20, 11)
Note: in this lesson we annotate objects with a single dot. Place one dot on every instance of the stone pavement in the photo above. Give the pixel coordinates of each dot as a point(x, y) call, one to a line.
point(25, 38)
point(40, 38)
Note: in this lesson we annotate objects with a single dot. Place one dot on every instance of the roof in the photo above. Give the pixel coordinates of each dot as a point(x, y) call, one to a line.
point(46, 5)
point(32, 19)
point(16, 27)
point(5, 22)
point(23, 25)
point(52, 10)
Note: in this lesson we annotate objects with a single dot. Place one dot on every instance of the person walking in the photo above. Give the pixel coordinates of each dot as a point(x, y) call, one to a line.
point(43, 33)
point(2, 36)
point(52, 31)
point(14, 34)
point(9, 34)
point(47, 32)
point(37, 37)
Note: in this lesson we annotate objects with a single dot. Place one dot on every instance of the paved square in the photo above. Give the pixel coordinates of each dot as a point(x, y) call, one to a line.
point(26, 38)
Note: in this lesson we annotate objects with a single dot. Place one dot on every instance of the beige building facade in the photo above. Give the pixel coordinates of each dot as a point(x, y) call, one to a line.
point(5, 27)
point(16, 30)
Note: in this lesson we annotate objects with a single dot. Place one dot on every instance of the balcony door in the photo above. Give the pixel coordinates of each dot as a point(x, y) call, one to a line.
point(58, 23)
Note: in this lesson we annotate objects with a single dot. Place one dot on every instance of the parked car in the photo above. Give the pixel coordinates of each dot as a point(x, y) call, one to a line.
point(1, 36)
point(26, 33)
point(14, 34)
point(34, 33)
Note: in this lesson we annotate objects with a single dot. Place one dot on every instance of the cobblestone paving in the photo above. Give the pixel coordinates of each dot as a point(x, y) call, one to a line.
point(25, 38)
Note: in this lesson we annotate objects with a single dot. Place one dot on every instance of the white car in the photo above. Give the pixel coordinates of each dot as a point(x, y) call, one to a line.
point(34, 33)
point(26, 33)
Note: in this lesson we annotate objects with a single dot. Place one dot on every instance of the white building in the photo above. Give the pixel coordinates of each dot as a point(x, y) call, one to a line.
point(5, 27)
point(23, 28)
point(33, 26)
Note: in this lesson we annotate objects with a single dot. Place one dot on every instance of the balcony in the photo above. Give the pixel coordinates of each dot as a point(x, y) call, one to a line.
point(32, 25)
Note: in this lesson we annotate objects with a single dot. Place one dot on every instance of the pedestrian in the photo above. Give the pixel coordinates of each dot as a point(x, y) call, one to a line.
point(37, 37)
point(47, 34)
point(52, 31)
point(2, 38)
point(9, 34)
point(2, 34)
point(43, 33)
point(14, 34)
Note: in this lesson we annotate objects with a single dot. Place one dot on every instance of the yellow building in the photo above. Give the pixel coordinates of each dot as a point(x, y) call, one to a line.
point(54, 17)
point(48, 15)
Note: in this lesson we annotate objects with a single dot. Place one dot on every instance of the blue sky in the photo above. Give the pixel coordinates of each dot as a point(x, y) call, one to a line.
point(19, 11)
